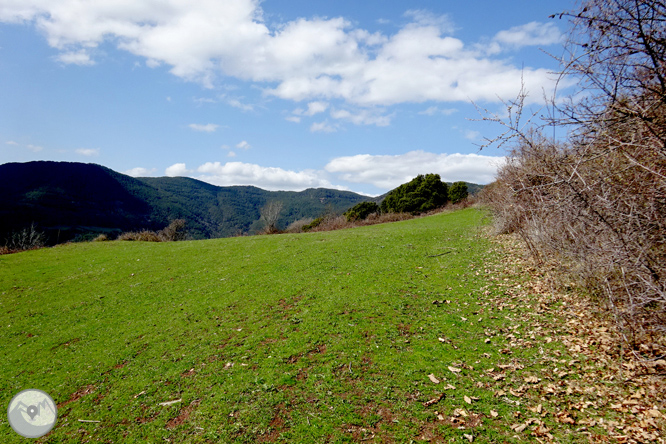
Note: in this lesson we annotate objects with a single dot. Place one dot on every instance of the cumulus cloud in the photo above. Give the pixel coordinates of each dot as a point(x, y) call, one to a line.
point(88, 152)
point(313, 108)
point(243, 145)
point(207, 128)
point(177, 169)
point(140, 172)
point(384, 172)
point(530, 34)
point(75, 58)
point(269, 178)
point(387, 172)
point(306, 59)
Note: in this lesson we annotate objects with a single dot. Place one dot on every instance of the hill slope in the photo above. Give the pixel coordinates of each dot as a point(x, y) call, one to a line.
point(68, 199)
point(400, 332)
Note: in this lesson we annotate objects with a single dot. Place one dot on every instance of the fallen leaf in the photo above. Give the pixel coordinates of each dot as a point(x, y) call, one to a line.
point(433, 379)
point(494, 414)
point(469, 438)
point(518, 427)
point(434, 400)
point(454, 369)
point(467, 399)
point(170, 402)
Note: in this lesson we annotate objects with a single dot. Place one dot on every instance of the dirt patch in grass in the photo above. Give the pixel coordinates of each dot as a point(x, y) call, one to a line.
point(318, 349)
point(276, 426)
point(66, 344)
point(183, 415)
point(78, 394)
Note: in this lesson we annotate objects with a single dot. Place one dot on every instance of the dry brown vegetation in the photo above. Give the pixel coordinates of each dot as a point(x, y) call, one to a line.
point(595, 203)
point(175, 231)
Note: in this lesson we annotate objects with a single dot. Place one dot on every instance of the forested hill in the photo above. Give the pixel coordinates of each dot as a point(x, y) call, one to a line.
point(66, 200)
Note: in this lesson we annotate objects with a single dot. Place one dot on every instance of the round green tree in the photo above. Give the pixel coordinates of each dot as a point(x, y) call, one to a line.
point(423, 193)
point(361, 211)
point(458, 192)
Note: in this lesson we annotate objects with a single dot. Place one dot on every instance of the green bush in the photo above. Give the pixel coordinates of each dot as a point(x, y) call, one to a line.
point(313, 224)
point(361, 211)
point(421, 194)
point(458, 192)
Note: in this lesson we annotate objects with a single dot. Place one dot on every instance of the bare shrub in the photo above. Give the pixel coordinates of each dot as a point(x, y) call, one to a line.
point(269, 214)
point(174, 232)
point(297, 225)
point(142, 236)
point(331, 223)
point(101, 238)
point(597, 202)
point(26, 239)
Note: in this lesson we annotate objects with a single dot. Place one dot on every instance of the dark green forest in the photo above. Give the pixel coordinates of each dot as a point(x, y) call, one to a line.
point(76, 201)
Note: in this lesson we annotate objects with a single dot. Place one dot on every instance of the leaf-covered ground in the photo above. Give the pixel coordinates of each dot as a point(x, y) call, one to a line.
point(594, 389)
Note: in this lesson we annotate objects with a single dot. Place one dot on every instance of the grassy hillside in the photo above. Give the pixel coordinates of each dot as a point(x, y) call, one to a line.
point(321, 337)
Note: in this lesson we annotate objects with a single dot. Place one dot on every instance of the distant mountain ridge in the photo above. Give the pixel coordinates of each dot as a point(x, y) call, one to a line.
point(67, 200)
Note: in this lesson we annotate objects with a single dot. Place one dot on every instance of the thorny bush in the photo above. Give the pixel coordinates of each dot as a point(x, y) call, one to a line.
point(596, 202)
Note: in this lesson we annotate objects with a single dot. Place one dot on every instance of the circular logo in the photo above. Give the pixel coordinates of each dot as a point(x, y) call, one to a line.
point(32, 413)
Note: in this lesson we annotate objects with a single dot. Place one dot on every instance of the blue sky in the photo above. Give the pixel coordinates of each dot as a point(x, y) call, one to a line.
point(288, 94)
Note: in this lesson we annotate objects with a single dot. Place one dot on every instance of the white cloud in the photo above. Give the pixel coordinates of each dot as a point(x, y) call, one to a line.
point(315, 108)
point(322, 127)
point(530, 34)
point(305, 59)
point(431, 111)
point(231, 154)
point(362, 117)
point(471, 134)
point(387, 172)
point(238, 104)
point(80, 57)
point(33, 148)
point(140, 172)
point(36, 149)
point(207, 128)
point(88, 152)
point(269, 178)
point(243, 145)
point(294, 119)
point(177, 169)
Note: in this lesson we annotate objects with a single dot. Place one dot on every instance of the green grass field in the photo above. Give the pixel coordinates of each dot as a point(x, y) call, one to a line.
point(322, 337)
